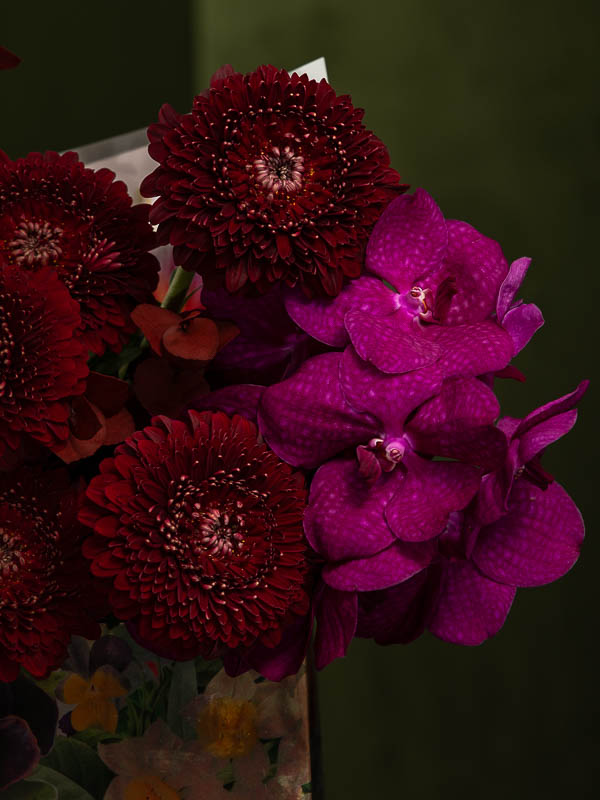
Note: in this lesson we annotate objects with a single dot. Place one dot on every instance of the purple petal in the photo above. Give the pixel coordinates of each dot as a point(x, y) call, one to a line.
point(457, 424)
point(336, 616)
point(345, 516)
point(37, 708)
point(384, 343)
point(323, 318)
point(552, 409)
point(511, 285)
point(472, 349)
point(389, 398)
point(305, 418)
point(495, 487)
point(409, 240)
point(396, 615)
point(426, 495)
point(19, 751)
point(241, 399)
point(545, 433)
point(471, 607)
point(536, 542)
point(274, 663)
point(398, 562)
point(478, 266)
point(521, 323)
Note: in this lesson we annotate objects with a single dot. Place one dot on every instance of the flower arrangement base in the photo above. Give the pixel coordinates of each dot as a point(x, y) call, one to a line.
point(132, 726)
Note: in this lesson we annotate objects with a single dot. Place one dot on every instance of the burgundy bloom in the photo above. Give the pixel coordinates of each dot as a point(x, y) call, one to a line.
point(43, 363)
point(198, 531)
point(57, 213)
point(270, 177)
point(45, 589)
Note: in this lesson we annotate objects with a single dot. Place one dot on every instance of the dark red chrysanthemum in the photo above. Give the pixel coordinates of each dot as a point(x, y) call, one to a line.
point(43, 363)
point(56, 212)
point(45, 590)
point(270, 177)
point(198, 528)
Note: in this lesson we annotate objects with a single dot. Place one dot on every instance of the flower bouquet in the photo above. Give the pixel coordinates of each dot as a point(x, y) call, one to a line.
point(289, 440)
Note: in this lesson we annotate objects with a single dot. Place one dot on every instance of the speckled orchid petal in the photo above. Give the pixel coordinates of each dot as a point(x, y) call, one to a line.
point(389, 347)
point(478, 266)
point(241, 399)
point(470, 607)
point(511, 285)
point(426, 496)
point(491, 501)
point(545, 433)
point(552, 409)
point(323, 318)
point(277, 663)
point(536, 542)
point(398, 562)
point(457, 423)
point(344, 518)
point(472, 349)
point(336, 625)
point(389, 398)
point(409, 240)
point(396, 615)
point(522, 322)
point(305, 418)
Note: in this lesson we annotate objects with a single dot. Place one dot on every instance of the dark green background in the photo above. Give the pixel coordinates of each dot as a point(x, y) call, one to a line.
point(493, 107)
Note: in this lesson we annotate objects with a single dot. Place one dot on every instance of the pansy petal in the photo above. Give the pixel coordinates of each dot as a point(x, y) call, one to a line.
point(344, 519)
point(478, 267)
point(305, 418)
point(470, 607)
point(536, 542)
point(19, 751)
point(511, 285)
point(396, 615)
point(521, 323)
point(336, 624)
point(323, 318)
point(409, 240)
point(398, 562)
point(390, 398)
point(426, 495)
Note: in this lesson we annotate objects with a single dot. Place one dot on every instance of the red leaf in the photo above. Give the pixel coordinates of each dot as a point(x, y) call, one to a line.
point(196, 339)
point(153, 321)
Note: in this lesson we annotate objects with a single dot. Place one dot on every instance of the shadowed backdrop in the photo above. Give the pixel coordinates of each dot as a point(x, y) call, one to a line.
point(492, 107)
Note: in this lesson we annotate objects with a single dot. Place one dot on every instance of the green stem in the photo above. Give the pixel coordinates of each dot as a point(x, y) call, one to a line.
point(177, 291)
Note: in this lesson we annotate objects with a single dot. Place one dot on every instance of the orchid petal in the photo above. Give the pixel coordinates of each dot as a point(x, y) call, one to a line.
point(522, 322)
point(511, 285)
point(323, 318)
point(536, 542)
point(408, 240)
point(396, 615)
point(471, 607)
point(336, 624)
point(305, 418)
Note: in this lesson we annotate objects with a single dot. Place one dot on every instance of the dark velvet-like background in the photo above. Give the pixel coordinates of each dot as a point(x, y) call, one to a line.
point(493, 107)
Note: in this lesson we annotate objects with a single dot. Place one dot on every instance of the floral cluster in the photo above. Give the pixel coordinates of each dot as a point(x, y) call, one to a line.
point(296, 440)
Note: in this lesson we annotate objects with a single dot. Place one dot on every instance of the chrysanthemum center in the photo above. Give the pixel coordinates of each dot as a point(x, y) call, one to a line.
point(227, 727)
point(36, 243)
point(280, 170)
point(221, 533)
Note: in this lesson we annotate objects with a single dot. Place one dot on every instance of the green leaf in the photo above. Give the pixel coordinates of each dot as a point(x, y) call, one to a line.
point(30, 790)
point(184, 689)
point(81, 764)
point(65, 788)
point(307, 787)
point(93, 737)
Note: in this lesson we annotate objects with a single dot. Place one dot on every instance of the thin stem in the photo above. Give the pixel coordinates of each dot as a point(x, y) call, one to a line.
point(177, 291)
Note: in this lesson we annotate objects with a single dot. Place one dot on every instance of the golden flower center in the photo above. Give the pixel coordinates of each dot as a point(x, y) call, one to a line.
point(149, 787)
point(227, 727)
